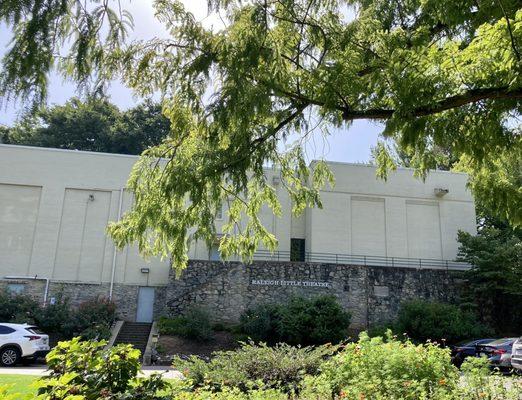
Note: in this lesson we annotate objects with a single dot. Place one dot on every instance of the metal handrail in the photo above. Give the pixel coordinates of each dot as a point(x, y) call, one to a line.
point(354, 259)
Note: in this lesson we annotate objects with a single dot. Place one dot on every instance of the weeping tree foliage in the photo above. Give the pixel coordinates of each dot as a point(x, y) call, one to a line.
point(439, 74)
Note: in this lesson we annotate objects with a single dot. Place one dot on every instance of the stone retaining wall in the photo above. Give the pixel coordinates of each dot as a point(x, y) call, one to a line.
point(371, 294)
point(124, 296)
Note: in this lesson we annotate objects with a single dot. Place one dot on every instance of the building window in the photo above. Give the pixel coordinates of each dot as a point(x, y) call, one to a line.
point(297, 249)
point(15, 288)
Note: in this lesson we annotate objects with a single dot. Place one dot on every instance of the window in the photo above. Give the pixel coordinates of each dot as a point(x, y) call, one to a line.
point(34, 330)
point(297, 249)
point(15, 288)
point(5, 330)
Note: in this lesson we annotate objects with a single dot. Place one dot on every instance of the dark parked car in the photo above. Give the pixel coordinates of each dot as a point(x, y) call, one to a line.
point(467, 348)
point(498, 353)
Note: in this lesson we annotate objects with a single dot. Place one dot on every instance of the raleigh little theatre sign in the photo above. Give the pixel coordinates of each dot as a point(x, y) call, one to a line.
point(265, 282)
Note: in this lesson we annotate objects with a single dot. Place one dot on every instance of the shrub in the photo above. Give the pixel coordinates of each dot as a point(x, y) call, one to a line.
point(181, 393)
point(56, 319)
point(423, 320)
point(255, 366)
point(94, 318)
point(480, 384)
point(260, 323)
point(17, 308)
point(380, 330)
point(85, 370)
point(299, 322)
point(194, 324)
point(391, 369)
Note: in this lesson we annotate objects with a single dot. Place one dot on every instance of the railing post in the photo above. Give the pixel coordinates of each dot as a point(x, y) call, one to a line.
point(364, 258)
point(447, 265)
point(393, 264)
point(336, 259)
point(420, 263)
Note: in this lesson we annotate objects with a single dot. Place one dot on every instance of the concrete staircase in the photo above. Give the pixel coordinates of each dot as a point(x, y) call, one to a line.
point(135, 333)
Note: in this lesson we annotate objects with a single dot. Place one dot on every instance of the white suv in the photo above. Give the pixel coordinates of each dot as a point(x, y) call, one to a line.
point(516, 355)
point(18, 342)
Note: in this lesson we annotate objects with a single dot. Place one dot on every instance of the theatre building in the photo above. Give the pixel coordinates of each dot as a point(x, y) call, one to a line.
point(55, 206)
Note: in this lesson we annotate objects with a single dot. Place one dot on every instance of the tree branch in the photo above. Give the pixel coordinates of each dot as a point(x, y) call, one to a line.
point(513, 45)
point(470, 96)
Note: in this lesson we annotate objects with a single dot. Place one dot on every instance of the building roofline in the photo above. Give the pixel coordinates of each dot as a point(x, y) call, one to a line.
point(98, 153)
point(362, 164)
point(52, 149)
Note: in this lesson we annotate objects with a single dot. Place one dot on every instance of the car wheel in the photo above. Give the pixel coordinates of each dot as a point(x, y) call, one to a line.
point(9, 356)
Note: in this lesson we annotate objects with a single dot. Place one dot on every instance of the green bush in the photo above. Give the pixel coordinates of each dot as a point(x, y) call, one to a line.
point(91, 320)
point(261, 323)
point(194, 324)
point(16, 308)
point(86, 370)
point(385, 369)
point(181, 393)
point(299, 322)
point(389, 369)
point(56, 319)
point(255, 366)
point(480, 384)
point(423, 320)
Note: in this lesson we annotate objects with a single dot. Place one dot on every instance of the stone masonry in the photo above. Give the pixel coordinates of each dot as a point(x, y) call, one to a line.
point(124, 296)
point(226, 289)
point(371, 294)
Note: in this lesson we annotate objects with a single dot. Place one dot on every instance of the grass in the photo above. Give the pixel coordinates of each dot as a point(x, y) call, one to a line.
point(19, 384)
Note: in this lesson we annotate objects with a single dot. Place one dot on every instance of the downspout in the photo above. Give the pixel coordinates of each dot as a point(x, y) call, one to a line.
point(113, 272)
point(35, 278)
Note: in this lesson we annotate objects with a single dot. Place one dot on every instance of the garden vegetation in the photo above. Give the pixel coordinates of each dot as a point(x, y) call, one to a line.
point(194, 324)
point(92, 319)
point(445, 323)
point(299, 321)
point(370, 368)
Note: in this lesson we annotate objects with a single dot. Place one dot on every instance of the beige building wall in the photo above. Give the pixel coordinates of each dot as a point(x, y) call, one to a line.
point(56, 204)
point(54, 208)
point(400, 217)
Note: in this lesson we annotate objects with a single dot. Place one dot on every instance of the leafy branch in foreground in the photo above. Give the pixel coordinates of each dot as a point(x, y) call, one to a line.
point(439, 74)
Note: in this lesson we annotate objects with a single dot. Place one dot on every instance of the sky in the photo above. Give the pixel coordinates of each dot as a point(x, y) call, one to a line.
point(348, 144)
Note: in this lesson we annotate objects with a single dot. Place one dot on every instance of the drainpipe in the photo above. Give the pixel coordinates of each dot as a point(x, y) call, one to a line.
point(113, 272)
point(35, 278)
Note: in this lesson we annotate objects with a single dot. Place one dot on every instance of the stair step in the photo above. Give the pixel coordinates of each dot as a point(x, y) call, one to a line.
point(135, 334)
